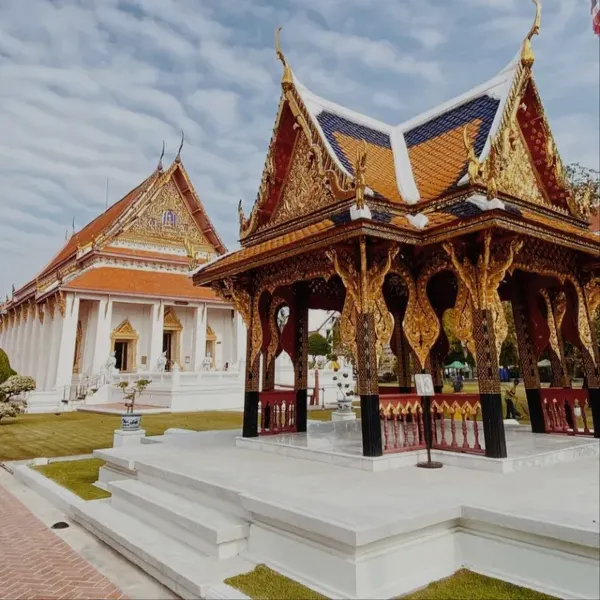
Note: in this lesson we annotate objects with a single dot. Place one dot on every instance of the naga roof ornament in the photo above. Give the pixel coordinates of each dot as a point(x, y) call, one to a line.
point(527, 55)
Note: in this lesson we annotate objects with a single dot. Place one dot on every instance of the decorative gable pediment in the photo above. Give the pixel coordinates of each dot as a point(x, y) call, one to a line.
point(125, 331)
point(171, 322)
point(165, 217)
point(303, 191)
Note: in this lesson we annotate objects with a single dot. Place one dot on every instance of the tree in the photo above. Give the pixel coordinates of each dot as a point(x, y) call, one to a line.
point(5, 370)
point(580, 177)
point(14, 386)
point(318, 345)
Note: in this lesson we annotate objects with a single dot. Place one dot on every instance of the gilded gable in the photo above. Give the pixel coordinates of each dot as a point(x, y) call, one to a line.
point(517, 177)
point(166, 219)
point(304, 192)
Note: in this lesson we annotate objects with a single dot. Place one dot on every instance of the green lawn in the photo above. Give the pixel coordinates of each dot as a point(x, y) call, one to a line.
point(77, 476)
point(266, 584)
point(68, 434)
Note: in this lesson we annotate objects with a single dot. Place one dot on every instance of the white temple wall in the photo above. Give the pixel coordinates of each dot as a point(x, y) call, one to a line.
point(186, 316)
point(221, 322)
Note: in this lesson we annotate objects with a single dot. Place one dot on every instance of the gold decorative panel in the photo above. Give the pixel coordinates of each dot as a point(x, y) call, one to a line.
point(166, 218)
point(304, 191)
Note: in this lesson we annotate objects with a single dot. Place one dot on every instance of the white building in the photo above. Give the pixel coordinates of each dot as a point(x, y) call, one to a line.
point(121, 285)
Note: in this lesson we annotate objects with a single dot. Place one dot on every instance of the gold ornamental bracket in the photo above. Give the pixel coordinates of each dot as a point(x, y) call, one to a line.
point(483, 279)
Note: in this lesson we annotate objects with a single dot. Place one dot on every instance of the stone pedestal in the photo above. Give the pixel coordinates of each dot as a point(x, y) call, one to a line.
point(343, 416)
point(511, 424)
point(128, 438)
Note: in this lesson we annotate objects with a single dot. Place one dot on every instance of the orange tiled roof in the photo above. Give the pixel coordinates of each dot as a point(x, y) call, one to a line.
point(96, 227)
point(559, 225)
point(268, 246)
point(140, 283)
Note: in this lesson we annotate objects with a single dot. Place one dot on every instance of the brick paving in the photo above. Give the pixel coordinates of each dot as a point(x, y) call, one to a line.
point(36, 563)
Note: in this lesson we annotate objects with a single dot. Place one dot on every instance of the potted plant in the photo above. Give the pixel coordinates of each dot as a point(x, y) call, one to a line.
point(130, 420)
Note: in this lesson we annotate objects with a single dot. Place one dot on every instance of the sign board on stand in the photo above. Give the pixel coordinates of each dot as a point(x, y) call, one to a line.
point(425, 390)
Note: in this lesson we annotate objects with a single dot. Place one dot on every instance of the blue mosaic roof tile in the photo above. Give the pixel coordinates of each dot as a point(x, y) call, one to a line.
point(483, 108)
point(341, 218)
point(381, 216)
point(463, 209)
point(332, 123)
point(512, 209)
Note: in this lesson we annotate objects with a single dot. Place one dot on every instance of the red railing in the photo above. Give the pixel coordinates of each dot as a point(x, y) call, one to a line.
point(565, 411)
point(456, 424)
point(454, 417)
point(277, 412)
point(401, 422)
point(387, 390)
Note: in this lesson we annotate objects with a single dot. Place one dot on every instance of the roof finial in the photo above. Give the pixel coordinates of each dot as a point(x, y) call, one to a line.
point(286, 79)
point(178, 157)
point(159, 167)
point(527, 55)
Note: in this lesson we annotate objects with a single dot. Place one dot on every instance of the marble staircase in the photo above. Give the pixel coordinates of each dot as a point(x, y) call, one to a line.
point(185, 544)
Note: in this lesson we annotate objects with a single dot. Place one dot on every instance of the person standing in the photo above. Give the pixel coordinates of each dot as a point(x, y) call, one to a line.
point(511, 398)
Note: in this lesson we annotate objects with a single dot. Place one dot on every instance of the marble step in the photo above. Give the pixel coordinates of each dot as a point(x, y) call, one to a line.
point(184, 570)
point(206, 529)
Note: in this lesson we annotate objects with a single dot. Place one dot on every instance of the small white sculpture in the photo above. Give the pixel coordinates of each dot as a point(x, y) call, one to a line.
point(111, 364)
point(162, 363)
point(207, 362)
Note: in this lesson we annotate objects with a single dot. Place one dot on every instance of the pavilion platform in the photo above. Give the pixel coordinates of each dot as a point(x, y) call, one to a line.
point(341, 444)
point(193, 508)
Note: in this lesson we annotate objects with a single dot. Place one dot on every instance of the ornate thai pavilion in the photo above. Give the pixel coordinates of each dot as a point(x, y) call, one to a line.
point(465, 206)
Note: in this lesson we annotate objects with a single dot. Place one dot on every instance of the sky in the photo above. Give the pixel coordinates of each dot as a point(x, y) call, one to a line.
point(89, 89)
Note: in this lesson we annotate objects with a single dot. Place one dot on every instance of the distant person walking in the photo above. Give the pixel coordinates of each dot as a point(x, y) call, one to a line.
point(511, 398)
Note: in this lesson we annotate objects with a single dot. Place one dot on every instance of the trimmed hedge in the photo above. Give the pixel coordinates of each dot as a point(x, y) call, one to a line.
point(5, 370)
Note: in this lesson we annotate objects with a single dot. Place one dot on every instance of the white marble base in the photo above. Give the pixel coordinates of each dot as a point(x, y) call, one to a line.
point(128, 438)
point(511, 424)
point(346, 532)
point(343, 416)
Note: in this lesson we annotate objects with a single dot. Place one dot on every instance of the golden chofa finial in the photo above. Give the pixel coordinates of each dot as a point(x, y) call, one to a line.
point(527, 55)
point(360, 168)
point(286, 79)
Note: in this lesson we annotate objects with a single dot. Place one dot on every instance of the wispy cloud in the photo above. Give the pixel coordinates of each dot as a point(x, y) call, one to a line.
point(89, 89)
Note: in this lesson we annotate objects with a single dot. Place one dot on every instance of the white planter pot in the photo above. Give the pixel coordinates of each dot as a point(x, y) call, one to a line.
point(130, 421)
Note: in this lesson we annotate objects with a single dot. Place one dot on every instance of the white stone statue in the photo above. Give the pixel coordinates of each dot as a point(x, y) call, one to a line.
point(162, 363)
point(111, 364)
point(207, 362)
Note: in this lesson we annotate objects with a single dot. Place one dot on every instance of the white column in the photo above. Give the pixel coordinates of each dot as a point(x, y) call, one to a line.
point(16, 357)
point(41, 350)
point(53, 349)
point(239, 337)
point(102, 346)
point(199, 336)
point(66, 355)
point(32, 347)
point(157, 317)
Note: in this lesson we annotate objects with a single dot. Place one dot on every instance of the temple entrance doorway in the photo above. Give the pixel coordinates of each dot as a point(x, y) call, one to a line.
point(168, 348)
point(121, 352)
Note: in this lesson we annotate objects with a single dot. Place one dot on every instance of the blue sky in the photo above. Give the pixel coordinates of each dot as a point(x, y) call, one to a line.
point(90, 88)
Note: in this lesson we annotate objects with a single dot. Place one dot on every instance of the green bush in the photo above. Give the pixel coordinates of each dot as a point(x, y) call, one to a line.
point(5, 370)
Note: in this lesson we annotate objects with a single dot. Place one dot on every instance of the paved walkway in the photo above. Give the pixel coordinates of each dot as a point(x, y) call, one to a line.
point(36, 563)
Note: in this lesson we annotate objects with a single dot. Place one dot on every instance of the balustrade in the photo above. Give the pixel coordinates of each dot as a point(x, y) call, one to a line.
point(401, 422)
point(456, 423)
point(277, 410)
point(566, 411)
point(455, 419)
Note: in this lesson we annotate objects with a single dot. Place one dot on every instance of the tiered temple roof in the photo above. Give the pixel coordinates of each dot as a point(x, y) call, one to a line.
point(143, 245)
point(485, 156)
